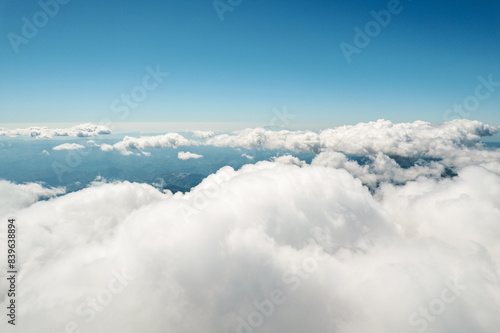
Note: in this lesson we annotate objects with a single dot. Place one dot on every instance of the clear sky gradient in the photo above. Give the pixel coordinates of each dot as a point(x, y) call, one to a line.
point(264, 55)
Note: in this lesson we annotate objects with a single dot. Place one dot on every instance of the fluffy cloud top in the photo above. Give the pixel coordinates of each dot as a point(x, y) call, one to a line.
point(267, 139)
point(288, 159)
point(379, 168)
point(169, 140)
point(68, 146)
point(14, 197)
point(82, 130)
point(187, 155)
point(277, 246)
point(271, 247)
point(203, 134)
point(405, 139)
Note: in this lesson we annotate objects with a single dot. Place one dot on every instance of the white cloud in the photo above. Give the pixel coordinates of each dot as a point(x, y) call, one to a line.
point(460, 211)
point(379, 168)
point(68, 146)
point(460, 158)
point(247, 156)
point(106, 147)
point(16, 196)
point(187, 155)
point(405, 139)
point(82, 130)
point(45, 152)
point(344, 259)
point(288, 159)
point(203, 134)
point(201, 261)
point(169, 140)
point(267, 139)
point(456, 142)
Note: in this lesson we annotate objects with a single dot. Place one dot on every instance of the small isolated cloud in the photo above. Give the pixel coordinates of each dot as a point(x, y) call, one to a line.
point(247, 156)
point(187, 155)
point(82, 130)
point(45, 152)
point(68, 146)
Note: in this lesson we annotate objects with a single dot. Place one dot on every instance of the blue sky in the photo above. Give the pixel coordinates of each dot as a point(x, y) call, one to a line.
point(265, 54)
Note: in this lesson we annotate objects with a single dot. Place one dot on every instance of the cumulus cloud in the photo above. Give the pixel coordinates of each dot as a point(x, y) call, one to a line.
point(106, 147)
point(457, 143)
point(247, 156)
point(68, 146)
point(187, 155)
point(82, 130)
point(203, 134)
point(16, 196)
point(353, 242)
point(267, 139)
point(460, 158)
point(288, 159)
point(405, 139)
point(271, 247)
point(379, 168)
point(169, 140)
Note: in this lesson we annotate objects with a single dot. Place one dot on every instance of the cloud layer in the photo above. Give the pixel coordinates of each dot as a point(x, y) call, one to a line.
point(82, 130)
point(452, 140)
point(405, 139)
point(370, 242)
point(169, 140)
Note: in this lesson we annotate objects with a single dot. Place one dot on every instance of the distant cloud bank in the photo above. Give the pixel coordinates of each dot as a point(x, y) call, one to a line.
point(83, 130)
